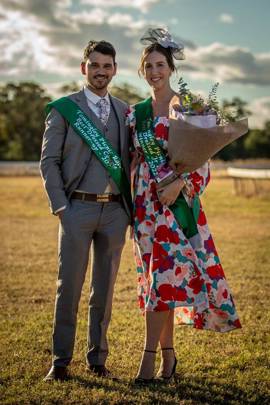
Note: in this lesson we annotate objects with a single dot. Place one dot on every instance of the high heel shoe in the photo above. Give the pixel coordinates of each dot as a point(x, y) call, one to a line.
point(167, 379)
point(145, 381)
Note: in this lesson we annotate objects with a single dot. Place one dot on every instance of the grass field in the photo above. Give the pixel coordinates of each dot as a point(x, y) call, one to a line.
point(231, 368)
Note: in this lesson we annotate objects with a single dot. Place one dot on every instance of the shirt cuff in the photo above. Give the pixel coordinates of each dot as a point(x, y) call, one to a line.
point(60, 209)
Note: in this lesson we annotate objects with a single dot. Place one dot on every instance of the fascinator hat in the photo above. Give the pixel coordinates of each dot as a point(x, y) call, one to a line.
point(162, 37)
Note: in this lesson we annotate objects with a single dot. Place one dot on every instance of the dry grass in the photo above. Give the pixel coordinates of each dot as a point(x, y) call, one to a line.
point(231, 368)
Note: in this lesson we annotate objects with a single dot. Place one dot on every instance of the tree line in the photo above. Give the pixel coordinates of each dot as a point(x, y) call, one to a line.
point(22, 116)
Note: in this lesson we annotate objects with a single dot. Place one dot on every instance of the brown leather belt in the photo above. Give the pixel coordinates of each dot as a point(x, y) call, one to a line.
point(95, 197)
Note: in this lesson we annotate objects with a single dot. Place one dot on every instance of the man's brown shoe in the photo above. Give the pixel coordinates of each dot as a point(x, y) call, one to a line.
point(57, 373)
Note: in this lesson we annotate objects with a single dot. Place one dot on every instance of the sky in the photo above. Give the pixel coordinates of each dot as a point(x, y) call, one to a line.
point(225, 41)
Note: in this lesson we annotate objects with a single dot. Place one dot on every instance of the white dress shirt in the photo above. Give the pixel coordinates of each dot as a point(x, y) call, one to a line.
point(93, 99)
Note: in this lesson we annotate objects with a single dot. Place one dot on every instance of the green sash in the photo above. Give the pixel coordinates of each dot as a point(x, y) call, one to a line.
point(102, 148)
point(154, 155)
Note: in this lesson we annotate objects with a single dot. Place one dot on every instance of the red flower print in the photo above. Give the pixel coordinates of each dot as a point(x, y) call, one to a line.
point(209, 246)
point(153, 191)
point(196, 284)
point(162, 233)
point(197, 181)
point(140, 213)
point(181, 294)
point(165, 234)
point(237, 324)
point(159, 251)
point(161, 131)
point(164, 280)
point(202, 218)
point(167, 263)
point(141, 302)
point(208, 287)
point(173, 237)
point(167, 292)
point(157, 206)
point(225, 294)
point(140, 200)
point(198, 321)
point(146, 258)
point(161, 306)
point(215, 272)
point(163, 263)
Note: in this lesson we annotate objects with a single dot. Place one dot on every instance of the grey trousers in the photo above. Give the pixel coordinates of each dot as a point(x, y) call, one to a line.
point(82, 223)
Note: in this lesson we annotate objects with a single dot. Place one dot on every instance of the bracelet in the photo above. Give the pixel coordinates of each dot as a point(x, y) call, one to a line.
point(168, 180)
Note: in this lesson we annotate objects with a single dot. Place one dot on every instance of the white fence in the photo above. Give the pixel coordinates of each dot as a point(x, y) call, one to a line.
point(19, 169)
point(243, 176)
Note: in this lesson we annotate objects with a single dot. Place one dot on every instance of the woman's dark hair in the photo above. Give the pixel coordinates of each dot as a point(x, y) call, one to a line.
point(99, 46)
point(158, 48)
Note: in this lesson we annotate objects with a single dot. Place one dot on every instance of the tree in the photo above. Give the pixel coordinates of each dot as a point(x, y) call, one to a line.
point(69, 88)
point(257, 144)
point(237, 148)
point(124, 91)
point(22, 120)
point(127, 93)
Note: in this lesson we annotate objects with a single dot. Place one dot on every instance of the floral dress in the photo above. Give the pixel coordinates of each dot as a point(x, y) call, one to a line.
point(175, 272)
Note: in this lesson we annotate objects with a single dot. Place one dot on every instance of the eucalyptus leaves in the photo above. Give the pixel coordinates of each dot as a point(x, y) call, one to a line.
point(193, 104)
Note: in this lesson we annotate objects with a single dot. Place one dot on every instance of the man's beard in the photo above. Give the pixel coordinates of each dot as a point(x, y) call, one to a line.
point(95, 83)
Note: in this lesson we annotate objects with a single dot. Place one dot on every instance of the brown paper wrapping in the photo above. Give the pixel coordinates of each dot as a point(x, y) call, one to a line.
point(189, 147)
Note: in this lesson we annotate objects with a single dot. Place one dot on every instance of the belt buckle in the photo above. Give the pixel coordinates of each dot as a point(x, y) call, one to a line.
point(103, 198)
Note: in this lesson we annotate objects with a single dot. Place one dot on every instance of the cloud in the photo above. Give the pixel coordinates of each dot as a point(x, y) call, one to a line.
point(226, 18)
point(46, 44)
point(126, 20)
point(228, 64)
point(142, 5)
point(96, 16)
point(20, 54)
point(43, 40)
point(260, 109)
point(49, 13)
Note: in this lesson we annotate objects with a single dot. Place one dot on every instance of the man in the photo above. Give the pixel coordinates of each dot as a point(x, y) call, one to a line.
point(92, 207)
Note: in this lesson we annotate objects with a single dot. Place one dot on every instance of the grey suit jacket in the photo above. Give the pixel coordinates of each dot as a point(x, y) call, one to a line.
point(65, 156)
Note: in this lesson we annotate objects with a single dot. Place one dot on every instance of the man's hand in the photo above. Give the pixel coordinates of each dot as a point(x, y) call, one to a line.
point(60, 214)
point(60, 211)
point(169, 193)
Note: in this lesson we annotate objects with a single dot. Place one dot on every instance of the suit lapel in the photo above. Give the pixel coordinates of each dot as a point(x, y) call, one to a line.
point(81, 101)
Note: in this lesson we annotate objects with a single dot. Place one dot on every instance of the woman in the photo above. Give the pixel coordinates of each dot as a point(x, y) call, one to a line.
point(179, 272)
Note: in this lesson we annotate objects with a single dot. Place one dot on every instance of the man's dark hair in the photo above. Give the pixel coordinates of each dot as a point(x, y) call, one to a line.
point(99, 46)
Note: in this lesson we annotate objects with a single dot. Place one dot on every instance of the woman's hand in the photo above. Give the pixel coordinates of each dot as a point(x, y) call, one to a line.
point(174, 104)
point(169, 193)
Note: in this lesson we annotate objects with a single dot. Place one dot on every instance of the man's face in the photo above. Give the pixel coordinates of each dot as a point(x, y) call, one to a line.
point(99, 70)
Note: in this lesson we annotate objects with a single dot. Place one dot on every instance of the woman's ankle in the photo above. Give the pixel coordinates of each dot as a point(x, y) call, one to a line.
point(147, 366)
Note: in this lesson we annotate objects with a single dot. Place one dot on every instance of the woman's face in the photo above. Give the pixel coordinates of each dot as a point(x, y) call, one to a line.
point(156, 70)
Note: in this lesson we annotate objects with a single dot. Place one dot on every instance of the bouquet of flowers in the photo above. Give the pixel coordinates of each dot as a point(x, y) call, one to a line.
point(199, 128)
point(192, 105)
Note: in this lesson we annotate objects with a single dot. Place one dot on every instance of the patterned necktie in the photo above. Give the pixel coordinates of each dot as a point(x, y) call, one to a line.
point(103, 105)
